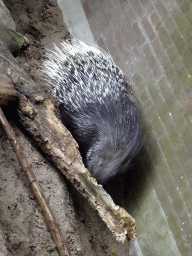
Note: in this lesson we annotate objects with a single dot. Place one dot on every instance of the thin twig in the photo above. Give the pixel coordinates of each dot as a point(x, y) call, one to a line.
point(46, 209)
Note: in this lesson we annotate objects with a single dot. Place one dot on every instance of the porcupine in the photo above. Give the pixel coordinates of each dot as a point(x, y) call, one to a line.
point(97, 106)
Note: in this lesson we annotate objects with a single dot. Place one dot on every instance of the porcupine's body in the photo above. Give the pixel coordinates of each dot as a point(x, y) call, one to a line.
point(96, 106)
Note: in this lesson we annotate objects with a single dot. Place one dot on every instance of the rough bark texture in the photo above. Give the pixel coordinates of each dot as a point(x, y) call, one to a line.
point(12, 39)
point(5, 17)
point(7, 90)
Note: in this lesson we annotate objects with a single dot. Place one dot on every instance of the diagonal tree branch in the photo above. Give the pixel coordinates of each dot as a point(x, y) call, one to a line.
point(46, 209)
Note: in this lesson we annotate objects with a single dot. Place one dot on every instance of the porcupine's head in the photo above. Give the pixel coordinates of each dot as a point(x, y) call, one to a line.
point(97, 108)
point(118, 138)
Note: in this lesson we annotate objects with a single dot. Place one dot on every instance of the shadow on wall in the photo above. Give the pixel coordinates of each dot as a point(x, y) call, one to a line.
point(137, 180)
point(129, 189)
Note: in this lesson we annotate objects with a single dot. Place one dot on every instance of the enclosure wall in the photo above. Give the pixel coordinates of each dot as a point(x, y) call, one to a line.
point(152, 43)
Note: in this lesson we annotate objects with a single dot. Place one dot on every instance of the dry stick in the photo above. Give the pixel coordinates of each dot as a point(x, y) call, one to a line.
point(47, 211)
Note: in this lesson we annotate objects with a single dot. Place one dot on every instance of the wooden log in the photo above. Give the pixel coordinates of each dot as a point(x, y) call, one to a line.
point(5, 17)
point(62, 150)
point(13, 40)
point(7, 90)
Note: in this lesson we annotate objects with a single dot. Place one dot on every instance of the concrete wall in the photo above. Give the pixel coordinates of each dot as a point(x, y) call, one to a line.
point(151, 41)
point(76, 21)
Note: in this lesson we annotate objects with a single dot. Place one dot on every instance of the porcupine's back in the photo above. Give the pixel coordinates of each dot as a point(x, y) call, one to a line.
point(96, 106)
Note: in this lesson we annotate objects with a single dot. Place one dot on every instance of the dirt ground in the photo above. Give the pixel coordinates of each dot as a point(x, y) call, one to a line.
point(23, 230)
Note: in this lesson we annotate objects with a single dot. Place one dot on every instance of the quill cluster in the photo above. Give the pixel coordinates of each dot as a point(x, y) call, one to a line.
point(97, 106)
